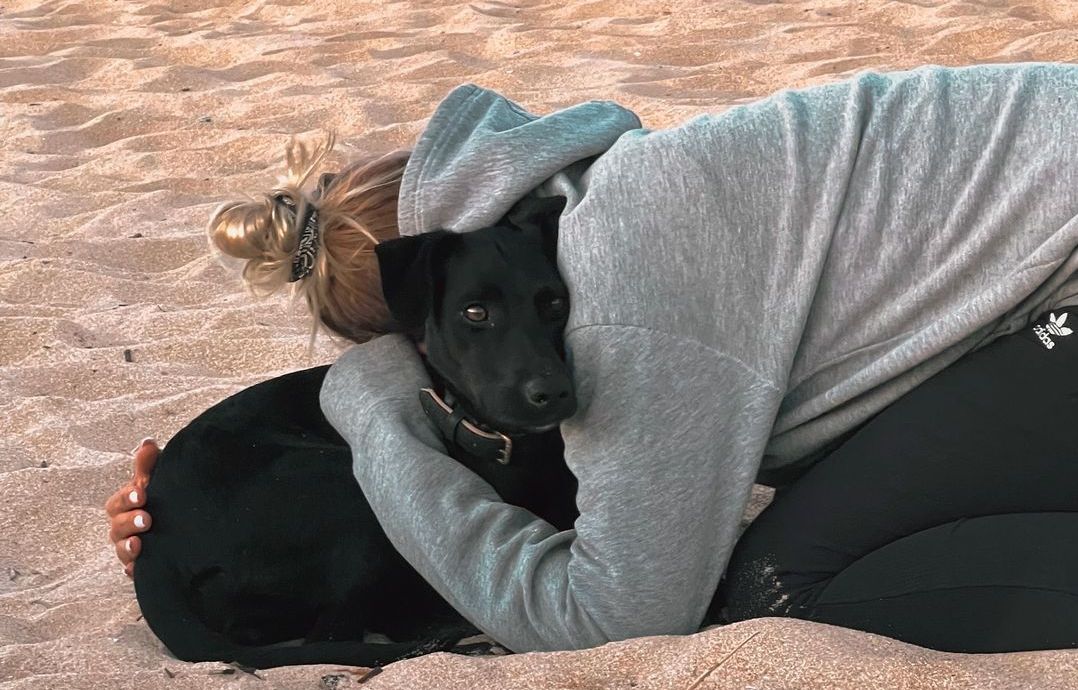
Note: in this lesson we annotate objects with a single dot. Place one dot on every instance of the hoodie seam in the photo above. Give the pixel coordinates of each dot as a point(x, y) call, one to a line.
point(520, 111)
point(685, 339)
point(435, 147)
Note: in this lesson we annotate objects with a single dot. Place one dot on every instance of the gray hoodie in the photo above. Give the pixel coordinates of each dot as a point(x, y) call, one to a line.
point(746, 289)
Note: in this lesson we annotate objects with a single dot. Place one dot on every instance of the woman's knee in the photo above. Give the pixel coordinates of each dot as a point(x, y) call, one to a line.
point(757, 586)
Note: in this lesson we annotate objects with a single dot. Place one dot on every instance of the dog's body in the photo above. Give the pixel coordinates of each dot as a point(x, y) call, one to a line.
point(261, 534)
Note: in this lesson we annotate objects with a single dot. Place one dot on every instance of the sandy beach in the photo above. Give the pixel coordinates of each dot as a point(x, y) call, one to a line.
point(124, 123)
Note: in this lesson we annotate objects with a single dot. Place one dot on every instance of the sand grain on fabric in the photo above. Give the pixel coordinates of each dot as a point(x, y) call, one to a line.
point(122, 125)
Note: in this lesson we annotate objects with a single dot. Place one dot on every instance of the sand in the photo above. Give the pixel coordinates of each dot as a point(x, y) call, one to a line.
point(123, 123)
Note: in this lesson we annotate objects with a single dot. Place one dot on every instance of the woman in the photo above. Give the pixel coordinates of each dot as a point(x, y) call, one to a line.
point(754, 295)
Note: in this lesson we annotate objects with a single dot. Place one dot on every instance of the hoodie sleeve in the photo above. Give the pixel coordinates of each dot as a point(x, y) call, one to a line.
point(663, 481)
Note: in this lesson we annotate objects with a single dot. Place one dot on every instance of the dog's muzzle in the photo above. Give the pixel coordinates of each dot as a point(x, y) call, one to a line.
point(454, 428)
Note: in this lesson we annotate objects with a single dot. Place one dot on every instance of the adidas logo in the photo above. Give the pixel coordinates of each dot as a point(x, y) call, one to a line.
point(1055, 327)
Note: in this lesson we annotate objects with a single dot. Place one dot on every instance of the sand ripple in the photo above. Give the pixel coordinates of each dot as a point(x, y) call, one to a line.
point(123, 123)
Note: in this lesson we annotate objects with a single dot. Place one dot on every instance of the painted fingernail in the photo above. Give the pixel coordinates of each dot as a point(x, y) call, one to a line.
point(133, 496)
point(140, 521)
point(127, 545)
point(141, 443)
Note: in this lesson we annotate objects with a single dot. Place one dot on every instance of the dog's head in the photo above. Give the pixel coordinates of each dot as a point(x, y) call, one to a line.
point(490, 308)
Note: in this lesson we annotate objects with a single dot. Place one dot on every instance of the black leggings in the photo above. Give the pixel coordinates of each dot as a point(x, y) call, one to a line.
point(949, 520)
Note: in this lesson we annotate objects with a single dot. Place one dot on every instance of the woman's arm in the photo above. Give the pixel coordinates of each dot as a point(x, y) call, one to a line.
point(664, 478)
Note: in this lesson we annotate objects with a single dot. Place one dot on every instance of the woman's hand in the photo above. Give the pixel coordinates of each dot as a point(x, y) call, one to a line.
point(125, 518)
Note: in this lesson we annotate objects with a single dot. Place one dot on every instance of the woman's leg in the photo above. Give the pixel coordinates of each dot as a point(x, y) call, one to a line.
point(950, 520)
point(276, 412)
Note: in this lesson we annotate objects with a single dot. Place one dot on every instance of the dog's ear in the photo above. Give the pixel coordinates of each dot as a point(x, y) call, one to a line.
point(407, 268)
point(542, 213)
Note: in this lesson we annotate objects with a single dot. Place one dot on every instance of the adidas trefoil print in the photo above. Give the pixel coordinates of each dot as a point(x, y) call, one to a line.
point(1053, 327)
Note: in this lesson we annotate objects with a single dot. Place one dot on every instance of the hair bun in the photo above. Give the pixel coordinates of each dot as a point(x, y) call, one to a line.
point(319, 240)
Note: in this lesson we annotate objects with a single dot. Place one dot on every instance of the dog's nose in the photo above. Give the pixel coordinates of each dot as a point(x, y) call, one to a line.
point(543, 391)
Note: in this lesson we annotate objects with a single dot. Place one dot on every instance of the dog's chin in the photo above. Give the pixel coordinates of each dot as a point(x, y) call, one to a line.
point(511, 424)
point(540, 429)
point(519, 428)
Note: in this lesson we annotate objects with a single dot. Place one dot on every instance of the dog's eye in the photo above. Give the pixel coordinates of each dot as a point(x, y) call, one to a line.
point(557, 306)
point(475, 312)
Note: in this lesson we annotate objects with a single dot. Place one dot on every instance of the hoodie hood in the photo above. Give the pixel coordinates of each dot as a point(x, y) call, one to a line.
point(481, 153)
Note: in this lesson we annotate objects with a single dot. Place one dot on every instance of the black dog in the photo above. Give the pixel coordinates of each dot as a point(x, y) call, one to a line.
point(261, 535)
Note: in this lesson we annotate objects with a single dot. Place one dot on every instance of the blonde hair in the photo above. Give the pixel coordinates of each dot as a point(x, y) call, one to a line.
point(357, 209)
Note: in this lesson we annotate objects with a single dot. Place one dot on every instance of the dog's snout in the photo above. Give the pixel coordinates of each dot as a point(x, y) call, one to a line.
point(543, 391)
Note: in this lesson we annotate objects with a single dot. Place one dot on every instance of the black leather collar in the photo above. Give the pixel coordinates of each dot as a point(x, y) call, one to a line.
point(450, 422)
